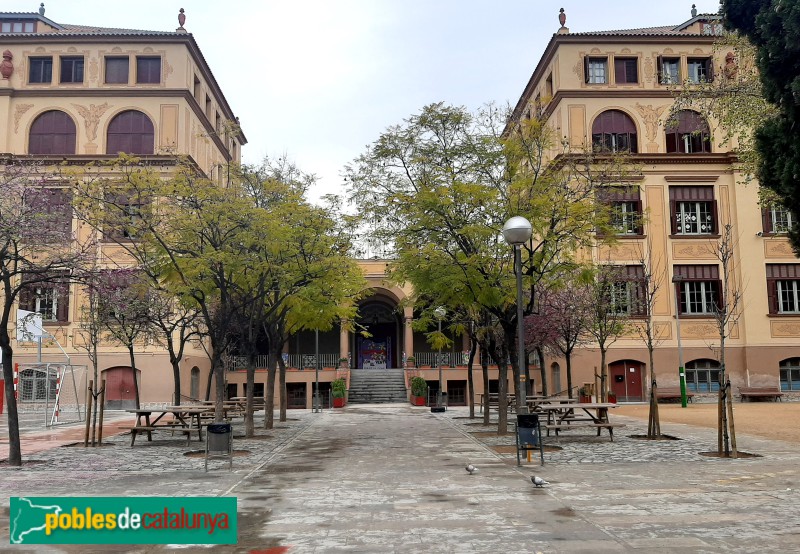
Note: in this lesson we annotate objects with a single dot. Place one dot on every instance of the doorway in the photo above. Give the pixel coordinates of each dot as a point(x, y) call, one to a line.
point(626, 380)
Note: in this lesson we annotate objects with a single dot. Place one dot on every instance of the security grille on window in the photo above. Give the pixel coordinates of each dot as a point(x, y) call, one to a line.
point(596, 70)
point(698, 288)
point(783, 288)
point(702, 376)
point(790, 374)
point(669, 72)
point(693, 210)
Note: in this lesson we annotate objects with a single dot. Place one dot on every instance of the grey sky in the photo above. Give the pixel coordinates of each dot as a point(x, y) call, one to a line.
point(320, 79)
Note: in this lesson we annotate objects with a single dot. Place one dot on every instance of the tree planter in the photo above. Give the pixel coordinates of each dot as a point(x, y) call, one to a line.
point(418, 400)
point(338, 402)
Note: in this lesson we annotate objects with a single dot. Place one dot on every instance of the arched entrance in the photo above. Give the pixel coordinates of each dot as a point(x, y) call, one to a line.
point(626, 380)
point(120, 393)
point(383, 348)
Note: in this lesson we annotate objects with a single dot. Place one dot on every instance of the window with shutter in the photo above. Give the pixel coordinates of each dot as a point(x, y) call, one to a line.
point(688, 134)
point(50, 298)
point(52, 132)
point(130, 132)
point(698, 288)
point(614, 131)
point(693, 210)
point(783, 288)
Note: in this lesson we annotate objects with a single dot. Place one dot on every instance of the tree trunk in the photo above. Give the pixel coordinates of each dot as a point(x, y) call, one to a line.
point(502, 390)
point(269, 401)
point(219, 381)
point(249, 424)
point(510, 345)
point(485, 376)
point(470, 381)
point(210, 380)
point(568, 358)
point(14, 446)
point(135, 375)
point(603, 374)
point(176, 378)
point(545, 388)
point(282, 391)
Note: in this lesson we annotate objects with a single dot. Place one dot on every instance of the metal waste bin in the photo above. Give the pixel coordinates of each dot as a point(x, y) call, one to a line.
point(529, 435)
point(219, 443)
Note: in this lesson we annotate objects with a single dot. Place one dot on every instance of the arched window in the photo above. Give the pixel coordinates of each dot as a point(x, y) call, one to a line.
point(688, 133)
point(614, 131)
point(130, 132)
point(53, 132)
point(790, 374)
point(702, 376)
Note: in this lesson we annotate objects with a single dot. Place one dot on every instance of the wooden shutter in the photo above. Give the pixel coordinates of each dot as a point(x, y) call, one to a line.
point(772, 295)
point(62, 311)
point(639, 217)
point(766, 220)
point(26, 298)
point(673, 218)
point(709, 70)
point(586, 69)
point(660, 69)
point(714, 218)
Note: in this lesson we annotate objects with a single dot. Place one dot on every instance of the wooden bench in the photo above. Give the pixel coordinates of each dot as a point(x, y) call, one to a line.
point(760, 392)
point(598, 426)
point(672, 393)
point(168, 427)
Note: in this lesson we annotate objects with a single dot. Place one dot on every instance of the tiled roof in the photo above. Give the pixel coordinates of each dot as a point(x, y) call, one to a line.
point(94, 30)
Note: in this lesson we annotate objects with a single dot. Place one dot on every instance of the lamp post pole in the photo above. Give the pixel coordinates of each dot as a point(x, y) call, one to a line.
point(316, 372)
point(439, 313)
point(681, 370)
point(516, 232)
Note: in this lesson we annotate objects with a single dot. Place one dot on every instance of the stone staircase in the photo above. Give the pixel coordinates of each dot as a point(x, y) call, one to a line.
point(377, 386)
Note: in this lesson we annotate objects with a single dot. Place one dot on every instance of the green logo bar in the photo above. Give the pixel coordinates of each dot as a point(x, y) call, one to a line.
point(122, 520)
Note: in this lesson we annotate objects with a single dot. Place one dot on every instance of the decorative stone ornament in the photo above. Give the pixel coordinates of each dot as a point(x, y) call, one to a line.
point(181, 18)
point(6, 67)
point(562, 17)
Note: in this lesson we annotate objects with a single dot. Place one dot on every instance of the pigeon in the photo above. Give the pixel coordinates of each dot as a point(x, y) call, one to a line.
point(538, 481)
point(471, 469)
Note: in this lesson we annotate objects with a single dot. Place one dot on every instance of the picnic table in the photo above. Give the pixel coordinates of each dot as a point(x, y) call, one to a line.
point(494, 400)
point(186, 419)
point(576, 415)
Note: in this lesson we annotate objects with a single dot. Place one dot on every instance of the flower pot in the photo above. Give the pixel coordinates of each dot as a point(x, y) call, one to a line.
point(585, 398)
point(338, 402)
point(418, 400)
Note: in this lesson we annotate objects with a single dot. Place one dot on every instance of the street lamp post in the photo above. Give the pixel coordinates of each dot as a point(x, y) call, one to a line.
point(439, 313)
point(317, 407)
point(516, 232)
point(678, 280)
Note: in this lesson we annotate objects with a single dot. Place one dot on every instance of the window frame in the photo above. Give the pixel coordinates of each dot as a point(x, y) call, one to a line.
point(609, 134)
point(625, 204)
point(689, 135)
point(698, 283)
point(626, 66)
point(684, 196)
point(46, 143)
point(145, 74)
point(590, 75)
point(45, 72)
point(707, 69)
point(692, 373)
point(117, 139)
point(662, 61)
point(73, 67)
point(31, 294)
point(127, 61)
point(783, 289)
point(771, 215)
point(789, 374)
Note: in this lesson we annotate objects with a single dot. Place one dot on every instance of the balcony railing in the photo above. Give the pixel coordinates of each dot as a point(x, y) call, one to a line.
point(297, 361)
point(448, 359)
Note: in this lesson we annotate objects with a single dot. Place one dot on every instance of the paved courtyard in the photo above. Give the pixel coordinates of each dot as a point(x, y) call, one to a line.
point(391, 478)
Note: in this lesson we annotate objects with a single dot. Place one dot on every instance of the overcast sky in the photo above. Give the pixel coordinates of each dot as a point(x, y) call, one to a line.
point(318, 80)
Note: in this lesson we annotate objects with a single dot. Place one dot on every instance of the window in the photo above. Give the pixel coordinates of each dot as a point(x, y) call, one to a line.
point(626, 291)
point(688, 133)
point(698, 288)
point(693, 210)
point(130, 132)
point(52, 132)
point(16, 27)
point(41, 70)
point(124, 219)
point(702, 376)
point(669, 71)
point(596, 70)
point(777, 220)
point(48, 214)
point(626, 209)
point(614, 131)
point(72, 69)
point(117, 70)
point(51, 299)
point(626, 70)
point(699, 70)
point(783, 288)
point(148, 69)
point(790, 374)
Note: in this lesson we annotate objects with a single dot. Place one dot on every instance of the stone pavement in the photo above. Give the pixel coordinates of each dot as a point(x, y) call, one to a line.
point(391, 478)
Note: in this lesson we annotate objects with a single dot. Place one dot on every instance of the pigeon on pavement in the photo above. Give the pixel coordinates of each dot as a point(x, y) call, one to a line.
point(471, 469)
point(538, 481)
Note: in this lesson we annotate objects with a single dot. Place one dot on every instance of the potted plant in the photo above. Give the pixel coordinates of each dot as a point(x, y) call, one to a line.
point(419, 391)
point(411, 362)
point(344, 362)
point(338, 390)
point(612, 397)
point(584, 395)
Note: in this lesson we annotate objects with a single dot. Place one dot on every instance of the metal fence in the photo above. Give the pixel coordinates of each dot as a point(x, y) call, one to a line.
point(299, 361)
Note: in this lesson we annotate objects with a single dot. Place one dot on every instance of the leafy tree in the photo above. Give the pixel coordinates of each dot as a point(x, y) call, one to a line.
point(37, 248)
point(440, 187)
point(773, 27)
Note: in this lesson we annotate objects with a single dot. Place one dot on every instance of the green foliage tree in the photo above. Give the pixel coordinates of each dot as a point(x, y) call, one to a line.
point(440, 187)
point(773, 27)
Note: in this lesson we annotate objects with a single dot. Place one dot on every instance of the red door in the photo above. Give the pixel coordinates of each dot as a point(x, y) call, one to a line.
point(120, 393)
point(626, 380)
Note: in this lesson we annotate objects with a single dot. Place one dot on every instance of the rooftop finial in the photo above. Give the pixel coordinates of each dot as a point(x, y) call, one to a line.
point(694, 10)
point(41, 8)
point(181, 21)
point(562, 17)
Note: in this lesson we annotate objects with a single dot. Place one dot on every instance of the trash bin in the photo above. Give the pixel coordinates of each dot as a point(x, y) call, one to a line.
point(219, 443)
point(529, 436)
